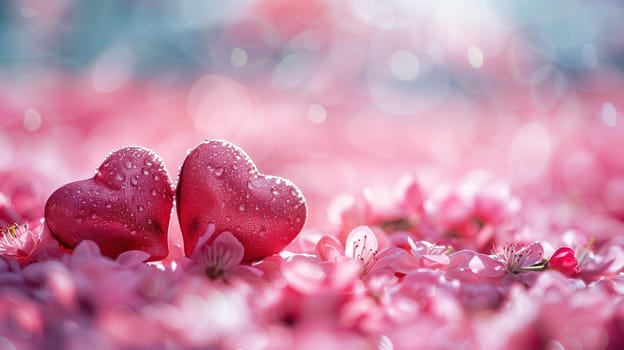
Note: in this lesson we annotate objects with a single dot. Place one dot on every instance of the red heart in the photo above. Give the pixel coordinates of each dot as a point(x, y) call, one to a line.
point(125, 206)
point(219, 184)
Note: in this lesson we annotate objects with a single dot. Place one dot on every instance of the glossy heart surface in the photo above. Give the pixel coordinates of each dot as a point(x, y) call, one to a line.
point(219, 184)
point(125, 206)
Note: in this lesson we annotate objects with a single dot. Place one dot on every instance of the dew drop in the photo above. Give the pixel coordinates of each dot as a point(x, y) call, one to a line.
point(120, 177)
point(150, 221)
point(250, 185)
point(241, 207)
point(218, 171)
point(133, 233)
point(156, 177)
point(262, 233)
point(140, 208)
point(228, 219)
point(294, 193)
point(274, 191)
point(128, 164)
point(154, 192)
point(94, 216)
point(134, 180)
point(79, 191)
point(148, 163)
point(108, 206)
point(146, 171)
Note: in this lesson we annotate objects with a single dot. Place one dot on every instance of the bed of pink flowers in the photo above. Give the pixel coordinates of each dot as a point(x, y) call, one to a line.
point(465, 263)
point(463, 189)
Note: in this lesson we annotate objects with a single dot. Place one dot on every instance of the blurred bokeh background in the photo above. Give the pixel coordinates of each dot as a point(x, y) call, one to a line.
point(333, 94)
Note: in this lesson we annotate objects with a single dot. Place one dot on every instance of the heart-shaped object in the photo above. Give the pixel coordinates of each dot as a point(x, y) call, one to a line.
point(219, 184)
point(125, 206)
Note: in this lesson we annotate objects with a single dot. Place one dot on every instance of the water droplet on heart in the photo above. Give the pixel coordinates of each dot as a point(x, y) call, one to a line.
point(140, 208)
point(219, 171)
point(133, 233)
point(241, 207)
point(228, 219)
point(298, 220)
point(108, 206)
point(131, 215)
point(210, 168)
point(156, 177)
point(146, 171)
point(274, 191)
point(262, 233)
point(154, 192)
point(257, 207)
point(120, 177)
point(148, 163)
point(128, 164)
point(134, 180)
point(94, 216)
point(150, 221)
point(188, 151)
point(294, 193)
point(79, 190)
point(97, 192)
point(250, 185)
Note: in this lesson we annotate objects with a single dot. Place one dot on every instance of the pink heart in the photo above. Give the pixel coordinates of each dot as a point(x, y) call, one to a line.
point(125, 206)
point(220, 184)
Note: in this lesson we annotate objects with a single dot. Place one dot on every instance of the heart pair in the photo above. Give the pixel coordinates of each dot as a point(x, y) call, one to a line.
point(127, 204)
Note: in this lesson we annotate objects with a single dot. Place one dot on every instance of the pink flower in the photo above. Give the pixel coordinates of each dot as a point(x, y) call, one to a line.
point(519, 257)
point(362, 246)
point(470, 266)
point(564, 261)
point(18, 241)
point(222, 258)
point(429, 255)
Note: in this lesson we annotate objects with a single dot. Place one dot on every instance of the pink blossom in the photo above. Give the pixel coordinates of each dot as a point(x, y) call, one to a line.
point(564, 261)
point(430, 255)
point(220, 259)
point(519, 257)
point(20, 241)
point(470, 266)
point(362, 246)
